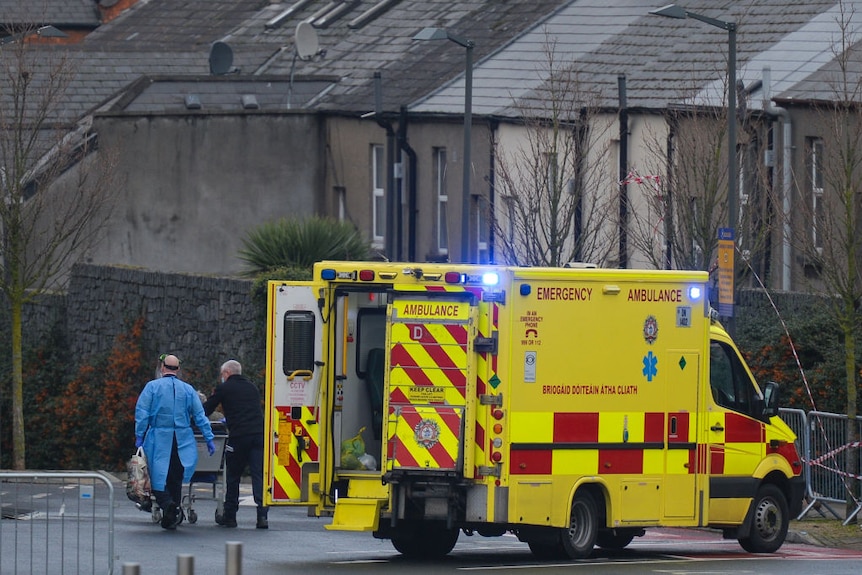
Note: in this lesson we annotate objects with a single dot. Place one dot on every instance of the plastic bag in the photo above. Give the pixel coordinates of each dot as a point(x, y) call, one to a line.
point(138, 486)
point(368, 462)
point(351, 450)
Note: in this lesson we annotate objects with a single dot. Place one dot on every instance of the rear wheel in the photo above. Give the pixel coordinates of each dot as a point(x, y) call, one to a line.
point(545, 551)
point(615, 538)
point(769, 523)
point(434, 542)
point(579, 539)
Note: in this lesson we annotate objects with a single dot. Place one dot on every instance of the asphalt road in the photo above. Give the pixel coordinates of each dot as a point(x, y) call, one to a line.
point(296, 543)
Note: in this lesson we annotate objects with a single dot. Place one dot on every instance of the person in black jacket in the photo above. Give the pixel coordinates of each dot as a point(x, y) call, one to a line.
point(240, 402)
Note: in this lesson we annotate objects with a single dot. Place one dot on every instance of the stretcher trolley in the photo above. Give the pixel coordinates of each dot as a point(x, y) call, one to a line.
point(210, 469)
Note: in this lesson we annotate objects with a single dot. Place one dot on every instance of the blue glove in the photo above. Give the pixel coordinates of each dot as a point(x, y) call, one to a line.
point(139, 441)
point(210, 446)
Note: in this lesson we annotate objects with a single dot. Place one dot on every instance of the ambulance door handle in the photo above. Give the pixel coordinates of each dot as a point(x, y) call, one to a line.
point(717, 427)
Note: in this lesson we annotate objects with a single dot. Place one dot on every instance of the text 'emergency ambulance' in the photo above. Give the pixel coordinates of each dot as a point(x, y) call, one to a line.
point(564, 293)
point(655, 295)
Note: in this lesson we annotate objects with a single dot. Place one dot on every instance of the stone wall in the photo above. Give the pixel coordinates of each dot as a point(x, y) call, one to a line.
point(206, 320)
point(203, 320)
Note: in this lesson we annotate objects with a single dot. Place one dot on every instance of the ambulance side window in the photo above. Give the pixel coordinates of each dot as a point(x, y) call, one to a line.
point(731, 387)
point(297, 350)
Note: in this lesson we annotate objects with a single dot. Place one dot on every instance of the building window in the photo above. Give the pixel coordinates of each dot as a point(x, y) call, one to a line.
point(378, 208)
point(341, 198)
point(482, 230)
point(442, 190)
point(816, 163)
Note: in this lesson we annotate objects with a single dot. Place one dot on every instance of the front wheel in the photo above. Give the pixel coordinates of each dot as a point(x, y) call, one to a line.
point(579, 539)
point(769, 523)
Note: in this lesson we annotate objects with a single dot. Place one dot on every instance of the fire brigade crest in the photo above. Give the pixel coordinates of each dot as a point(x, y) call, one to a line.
point(427, 433)
point(650, 329)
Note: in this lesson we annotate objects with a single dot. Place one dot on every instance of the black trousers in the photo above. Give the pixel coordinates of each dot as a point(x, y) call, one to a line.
point(173, 492)
point(242, 451)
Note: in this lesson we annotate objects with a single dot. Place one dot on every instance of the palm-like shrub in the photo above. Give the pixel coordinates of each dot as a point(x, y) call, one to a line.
point(294, 243)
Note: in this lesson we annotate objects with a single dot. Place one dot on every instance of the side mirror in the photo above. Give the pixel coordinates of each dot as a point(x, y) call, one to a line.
point(770, 399)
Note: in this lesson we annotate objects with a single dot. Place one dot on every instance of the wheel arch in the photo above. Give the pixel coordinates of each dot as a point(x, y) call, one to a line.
point(598, 489)
point(782, 482)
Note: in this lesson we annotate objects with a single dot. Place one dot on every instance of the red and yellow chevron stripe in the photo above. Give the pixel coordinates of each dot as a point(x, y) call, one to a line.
point(295, 439)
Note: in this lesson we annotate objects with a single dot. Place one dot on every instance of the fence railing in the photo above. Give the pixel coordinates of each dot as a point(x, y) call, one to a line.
point(823, 445)
point(64, 522)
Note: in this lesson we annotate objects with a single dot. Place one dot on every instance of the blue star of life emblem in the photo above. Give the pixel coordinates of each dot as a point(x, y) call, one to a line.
point(650, 362)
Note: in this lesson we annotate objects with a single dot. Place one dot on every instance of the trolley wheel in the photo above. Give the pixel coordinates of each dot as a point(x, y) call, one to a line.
point(193, 516)
point(157, 514)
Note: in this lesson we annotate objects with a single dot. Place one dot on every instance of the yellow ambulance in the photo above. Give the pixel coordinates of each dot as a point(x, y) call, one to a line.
point(574, 407)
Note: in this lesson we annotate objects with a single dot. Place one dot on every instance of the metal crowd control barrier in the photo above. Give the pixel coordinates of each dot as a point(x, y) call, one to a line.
point(798, 422)
point(826, 463)
point(56, 522)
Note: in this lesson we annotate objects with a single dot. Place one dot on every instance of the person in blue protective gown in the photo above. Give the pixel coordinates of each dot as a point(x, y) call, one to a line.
point(163, 425)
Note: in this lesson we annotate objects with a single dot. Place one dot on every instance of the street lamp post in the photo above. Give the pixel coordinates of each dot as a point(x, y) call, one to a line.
point(442, 34)
point(674, 11)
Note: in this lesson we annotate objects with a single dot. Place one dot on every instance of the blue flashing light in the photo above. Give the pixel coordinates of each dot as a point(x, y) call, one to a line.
point(490, 279)
point(525, 289)
point(327, 274)
point(694, 292)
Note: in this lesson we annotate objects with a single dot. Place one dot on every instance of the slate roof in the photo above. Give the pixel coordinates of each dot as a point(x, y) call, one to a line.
point(60, 13)
point(664, 60)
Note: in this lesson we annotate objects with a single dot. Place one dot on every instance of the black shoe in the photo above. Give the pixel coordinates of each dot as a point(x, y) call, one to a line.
point(262, 522)
point(172, 517)
point(226, 520)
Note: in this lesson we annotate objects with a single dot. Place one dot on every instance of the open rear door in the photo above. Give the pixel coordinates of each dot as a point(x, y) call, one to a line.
point(430, 383)
point(294, 344)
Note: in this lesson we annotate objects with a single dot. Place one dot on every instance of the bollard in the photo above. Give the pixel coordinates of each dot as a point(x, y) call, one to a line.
point(185, 564)
point(131, 569)
point(233, 558)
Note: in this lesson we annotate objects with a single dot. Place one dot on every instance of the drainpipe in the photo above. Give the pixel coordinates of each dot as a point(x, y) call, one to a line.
point(786, 149)
point(391, 204)
point(411, 189)
point(624, 169)
point(494, 126)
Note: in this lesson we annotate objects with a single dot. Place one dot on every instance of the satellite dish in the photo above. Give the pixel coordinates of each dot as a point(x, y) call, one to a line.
point(221, 58)
point(306, 40)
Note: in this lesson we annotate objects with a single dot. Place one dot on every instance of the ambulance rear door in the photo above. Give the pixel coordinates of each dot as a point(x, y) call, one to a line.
point(431, 383)
point(294, 375)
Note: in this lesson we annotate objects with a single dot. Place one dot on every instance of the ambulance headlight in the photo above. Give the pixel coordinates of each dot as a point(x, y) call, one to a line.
point(694, 292)
point(490, 279)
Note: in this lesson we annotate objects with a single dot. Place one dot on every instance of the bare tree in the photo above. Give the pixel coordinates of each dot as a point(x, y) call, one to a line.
point(827, 224)
point(683, 187)
point(554, 183)
point(56, 193)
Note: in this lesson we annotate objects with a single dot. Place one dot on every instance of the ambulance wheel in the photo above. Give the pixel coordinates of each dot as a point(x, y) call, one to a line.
point(579, 539)
point(769, 523)
point(434, 542)
point(546, 551)
point(615, 538)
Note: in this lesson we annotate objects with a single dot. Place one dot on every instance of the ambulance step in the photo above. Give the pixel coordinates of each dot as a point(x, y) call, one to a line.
point(352, 514)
